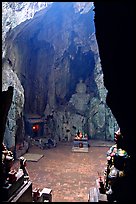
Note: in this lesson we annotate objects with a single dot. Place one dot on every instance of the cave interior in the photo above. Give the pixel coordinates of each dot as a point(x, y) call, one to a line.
point(114, 24)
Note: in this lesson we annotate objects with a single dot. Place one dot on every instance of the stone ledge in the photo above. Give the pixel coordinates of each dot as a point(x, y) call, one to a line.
point(80, 149)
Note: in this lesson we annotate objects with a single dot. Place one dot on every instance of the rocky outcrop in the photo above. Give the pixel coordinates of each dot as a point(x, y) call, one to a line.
point(14, 13)
point(51, 53)
point(14, 119)
point(85, 113)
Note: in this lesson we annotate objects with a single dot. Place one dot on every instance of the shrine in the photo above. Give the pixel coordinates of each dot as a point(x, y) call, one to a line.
point(34, 125)
point(80, 143)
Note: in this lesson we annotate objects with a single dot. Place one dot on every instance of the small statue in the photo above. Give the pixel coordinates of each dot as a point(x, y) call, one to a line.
point(7, 162)
point(116, 172)
point(36, 194)
point(100, 184)
point(23, 167)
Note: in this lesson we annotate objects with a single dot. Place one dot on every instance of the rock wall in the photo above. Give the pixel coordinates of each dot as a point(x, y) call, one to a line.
point(14, 119)
point(51, 53)
point(115, 35)
point(114, 24)
point(14, 13)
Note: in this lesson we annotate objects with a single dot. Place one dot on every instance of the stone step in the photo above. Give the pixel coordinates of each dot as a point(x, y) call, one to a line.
point(80, 149)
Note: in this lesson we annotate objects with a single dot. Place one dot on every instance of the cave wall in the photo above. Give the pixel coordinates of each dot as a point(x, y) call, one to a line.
point(51, 42)
point(14, 13)
point(50, 54)
point(11, 136)
point(114, 24)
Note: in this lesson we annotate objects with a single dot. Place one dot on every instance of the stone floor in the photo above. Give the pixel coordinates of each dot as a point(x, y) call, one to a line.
point(69, 174)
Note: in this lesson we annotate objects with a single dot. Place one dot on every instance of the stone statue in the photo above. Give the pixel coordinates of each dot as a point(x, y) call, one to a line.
point(117, 170)
point(80, 99)
point(81, 87)
point(23, 167)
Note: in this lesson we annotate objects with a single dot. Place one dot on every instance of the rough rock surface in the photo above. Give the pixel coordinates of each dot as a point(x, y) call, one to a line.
point(14, 126)
point(14, 13)
point(51, 53)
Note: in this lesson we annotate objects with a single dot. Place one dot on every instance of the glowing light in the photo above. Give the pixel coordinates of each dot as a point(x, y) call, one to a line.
point(35, 127)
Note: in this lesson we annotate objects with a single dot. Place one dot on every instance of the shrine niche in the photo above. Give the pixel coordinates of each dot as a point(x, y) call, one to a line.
point(34, 126)
point(81, 98)
point(80, 142)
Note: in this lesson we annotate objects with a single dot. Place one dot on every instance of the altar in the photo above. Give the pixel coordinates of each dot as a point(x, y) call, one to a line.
point(80, 143)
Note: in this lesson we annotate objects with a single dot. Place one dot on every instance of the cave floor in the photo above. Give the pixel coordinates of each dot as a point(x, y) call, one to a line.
point(69, 174)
